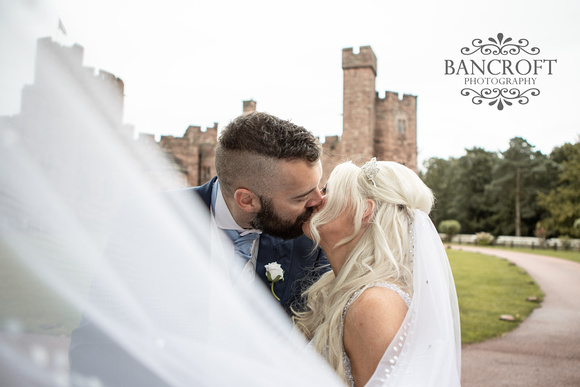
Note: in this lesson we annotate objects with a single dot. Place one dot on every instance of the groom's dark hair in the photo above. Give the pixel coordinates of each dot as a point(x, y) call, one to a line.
point(250, 146)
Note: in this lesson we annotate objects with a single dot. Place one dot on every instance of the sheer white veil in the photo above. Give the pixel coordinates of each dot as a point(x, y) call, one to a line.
point(75, 189)
point(427, 348)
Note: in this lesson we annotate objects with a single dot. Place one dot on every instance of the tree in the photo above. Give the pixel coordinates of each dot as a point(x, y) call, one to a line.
point(451, 227)
point(563, 201)
point(519, 176)
point(474, 207)
point(442, 177)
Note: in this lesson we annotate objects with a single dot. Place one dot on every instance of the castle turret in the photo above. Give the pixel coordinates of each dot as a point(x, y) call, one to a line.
point(360, 71)
point(249, 106)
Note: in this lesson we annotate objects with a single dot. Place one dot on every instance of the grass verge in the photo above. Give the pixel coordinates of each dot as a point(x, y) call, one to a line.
point(488, 287)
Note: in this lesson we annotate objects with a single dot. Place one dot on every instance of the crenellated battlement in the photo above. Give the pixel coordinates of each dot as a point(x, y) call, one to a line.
point(364, 59)
point(195, 133)
point(330, 140)
point(392, 97)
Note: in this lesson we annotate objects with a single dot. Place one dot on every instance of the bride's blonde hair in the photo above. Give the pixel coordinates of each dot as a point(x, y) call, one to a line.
point(382, 253)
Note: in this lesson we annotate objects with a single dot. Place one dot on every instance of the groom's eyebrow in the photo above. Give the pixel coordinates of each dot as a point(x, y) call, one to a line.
point(304, 194)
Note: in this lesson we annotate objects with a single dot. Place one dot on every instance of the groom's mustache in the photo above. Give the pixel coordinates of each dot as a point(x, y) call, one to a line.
point(305, 217)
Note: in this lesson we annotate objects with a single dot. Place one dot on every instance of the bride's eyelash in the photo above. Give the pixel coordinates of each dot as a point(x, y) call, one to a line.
point(324, 189)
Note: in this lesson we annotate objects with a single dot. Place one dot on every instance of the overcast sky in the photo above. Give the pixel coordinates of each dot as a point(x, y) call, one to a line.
point(187, 62)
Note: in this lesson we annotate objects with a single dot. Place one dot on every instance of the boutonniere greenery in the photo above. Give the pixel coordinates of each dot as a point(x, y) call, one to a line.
point(274, 273)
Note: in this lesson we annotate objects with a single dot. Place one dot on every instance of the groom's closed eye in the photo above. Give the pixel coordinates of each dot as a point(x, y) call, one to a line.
point(304, 196)
point(301, 198)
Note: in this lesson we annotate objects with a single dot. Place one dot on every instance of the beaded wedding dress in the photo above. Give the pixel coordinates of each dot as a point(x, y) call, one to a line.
point(426, 350)
point(427, 347)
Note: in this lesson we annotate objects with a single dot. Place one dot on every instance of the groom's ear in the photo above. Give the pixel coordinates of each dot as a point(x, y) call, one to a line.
point(247, 200)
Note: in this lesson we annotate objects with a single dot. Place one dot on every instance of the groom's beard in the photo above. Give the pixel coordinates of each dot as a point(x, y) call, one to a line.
point(272, 224)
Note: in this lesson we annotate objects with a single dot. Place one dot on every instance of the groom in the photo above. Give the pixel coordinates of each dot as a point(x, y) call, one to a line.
point(268, 172)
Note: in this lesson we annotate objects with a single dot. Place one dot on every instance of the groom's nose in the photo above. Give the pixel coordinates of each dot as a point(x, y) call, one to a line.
point(321, 205)
point(316, 199)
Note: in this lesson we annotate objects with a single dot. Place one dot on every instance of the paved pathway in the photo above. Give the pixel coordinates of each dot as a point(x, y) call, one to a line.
point(545, 349)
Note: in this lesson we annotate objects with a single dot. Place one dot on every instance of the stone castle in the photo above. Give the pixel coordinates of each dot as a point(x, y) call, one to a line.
point(372, 126)
point(71, 117)
point(385, 128)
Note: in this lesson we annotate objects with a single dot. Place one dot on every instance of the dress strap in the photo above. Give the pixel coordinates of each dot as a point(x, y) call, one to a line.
point(406, 298)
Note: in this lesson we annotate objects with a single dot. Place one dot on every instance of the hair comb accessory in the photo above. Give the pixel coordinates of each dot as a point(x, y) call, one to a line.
point(370, 169)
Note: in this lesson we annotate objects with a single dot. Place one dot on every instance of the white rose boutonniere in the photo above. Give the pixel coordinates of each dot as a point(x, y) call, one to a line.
point(274, 273)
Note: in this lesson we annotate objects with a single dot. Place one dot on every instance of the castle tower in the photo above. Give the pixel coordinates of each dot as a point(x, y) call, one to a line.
point(360, 71)
point(372, 126)
point(59, 73)
point(249, 106)
point(396, 129)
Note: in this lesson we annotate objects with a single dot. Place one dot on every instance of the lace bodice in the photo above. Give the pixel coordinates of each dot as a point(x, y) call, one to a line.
point(395, 288)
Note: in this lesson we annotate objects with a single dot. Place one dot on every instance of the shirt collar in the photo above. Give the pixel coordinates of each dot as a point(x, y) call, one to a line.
point(224, 218)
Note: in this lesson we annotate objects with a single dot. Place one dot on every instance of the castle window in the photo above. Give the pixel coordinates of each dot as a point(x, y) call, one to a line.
point(401, 126)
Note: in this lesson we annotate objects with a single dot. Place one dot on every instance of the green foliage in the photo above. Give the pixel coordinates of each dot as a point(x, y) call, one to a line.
point(498, 192)
point(520, 175)
point(450, 227)
point(576, 227)
point(442, 178)
point(474, 208)
point(488, 287)
point(483, 238)
point(563, 201)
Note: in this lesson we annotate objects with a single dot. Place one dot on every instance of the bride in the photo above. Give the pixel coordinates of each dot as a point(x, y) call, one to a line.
point(387, 312)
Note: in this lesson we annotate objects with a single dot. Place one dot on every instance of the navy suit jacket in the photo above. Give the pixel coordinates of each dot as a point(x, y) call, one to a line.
point(134, 252)
point(300, 263)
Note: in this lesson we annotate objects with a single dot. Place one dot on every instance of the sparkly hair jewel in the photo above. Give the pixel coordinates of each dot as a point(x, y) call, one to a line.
point(370, 169)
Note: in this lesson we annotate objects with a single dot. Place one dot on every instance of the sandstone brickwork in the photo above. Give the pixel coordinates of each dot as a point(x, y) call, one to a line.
point(194, 153)
point(385, 128)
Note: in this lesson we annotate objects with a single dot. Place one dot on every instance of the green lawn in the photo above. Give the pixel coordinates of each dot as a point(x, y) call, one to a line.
point(488, 287)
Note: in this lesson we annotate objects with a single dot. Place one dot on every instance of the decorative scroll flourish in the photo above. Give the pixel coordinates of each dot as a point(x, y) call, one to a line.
point(500, 96)
point(500, 46)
